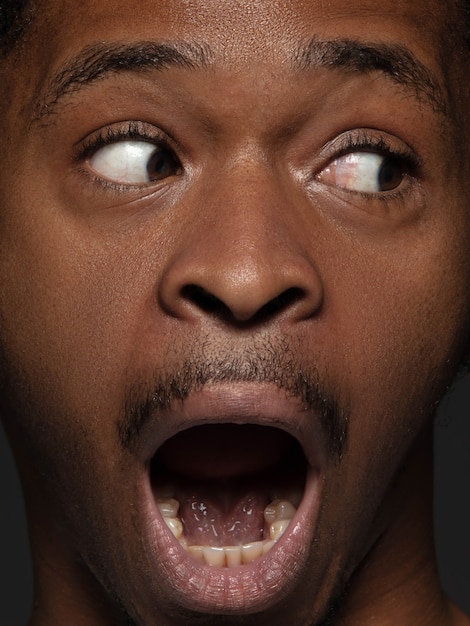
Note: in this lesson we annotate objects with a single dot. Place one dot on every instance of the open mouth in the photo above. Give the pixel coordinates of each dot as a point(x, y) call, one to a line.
point(231, 495)
point(228, 492)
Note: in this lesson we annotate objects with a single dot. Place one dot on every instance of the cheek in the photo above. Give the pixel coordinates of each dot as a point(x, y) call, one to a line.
point(69, 307)
point(409, 345)
point(409, 311)
point(395, 347)
point(398, 329)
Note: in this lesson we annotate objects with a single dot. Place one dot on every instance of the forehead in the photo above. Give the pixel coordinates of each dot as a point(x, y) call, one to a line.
point(260, 37)
point(241, 29)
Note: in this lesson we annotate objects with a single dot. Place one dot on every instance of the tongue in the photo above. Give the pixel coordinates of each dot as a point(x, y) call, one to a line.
point(225, 516)
point(223, 476)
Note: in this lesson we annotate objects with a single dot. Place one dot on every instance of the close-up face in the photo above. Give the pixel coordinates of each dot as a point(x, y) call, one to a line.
point(234, 263)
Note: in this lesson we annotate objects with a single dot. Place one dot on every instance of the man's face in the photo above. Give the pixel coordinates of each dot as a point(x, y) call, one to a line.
point(234, 264)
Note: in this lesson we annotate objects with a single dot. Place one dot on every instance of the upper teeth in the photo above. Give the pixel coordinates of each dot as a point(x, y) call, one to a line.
point(277, 514)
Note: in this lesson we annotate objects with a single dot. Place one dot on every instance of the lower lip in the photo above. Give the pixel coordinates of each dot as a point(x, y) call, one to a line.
point(240, 590)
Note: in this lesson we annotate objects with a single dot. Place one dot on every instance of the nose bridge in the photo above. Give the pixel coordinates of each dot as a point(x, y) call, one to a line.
point(242, 256)
point(245, 203)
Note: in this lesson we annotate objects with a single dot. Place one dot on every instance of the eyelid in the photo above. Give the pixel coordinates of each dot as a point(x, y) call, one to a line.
point(122, 131)
point(370, 140)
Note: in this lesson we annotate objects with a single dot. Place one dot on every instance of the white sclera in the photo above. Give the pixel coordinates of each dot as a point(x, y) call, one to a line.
point(124, 162)
point(359, 171)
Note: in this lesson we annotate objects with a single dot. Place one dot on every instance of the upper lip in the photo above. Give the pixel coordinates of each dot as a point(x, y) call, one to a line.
point(243, 403)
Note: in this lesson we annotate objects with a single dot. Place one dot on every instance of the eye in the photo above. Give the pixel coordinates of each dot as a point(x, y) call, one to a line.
point(364, 172)
point(133, 162)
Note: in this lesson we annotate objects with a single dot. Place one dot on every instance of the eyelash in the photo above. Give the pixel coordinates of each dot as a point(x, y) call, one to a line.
point(131, 131)
point(137, 131)
point(352, 141)
point(365, 142)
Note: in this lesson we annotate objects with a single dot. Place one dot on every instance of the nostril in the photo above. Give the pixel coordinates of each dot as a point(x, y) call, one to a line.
point(205, 300)
point(284, 300)
point(210, 304)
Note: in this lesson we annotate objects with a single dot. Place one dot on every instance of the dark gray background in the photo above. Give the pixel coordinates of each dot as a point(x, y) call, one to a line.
point(452, 514)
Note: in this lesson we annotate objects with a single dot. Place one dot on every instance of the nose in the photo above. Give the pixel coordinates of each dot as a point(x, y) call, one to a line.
point(244, 259)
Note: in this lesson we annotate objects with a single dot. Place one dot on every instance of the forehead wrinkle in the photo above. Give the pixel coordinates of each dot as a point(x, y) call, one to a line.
point(98, 61)
point(395, 61)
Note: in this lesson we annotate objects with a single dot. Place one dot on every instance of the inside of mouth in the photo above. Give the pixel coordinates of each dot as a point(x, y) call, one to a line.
point(228, 492)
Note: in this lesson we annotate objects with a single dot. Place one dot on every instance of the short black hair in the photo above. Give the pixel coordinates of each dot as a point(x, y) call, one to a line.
point(13, 20)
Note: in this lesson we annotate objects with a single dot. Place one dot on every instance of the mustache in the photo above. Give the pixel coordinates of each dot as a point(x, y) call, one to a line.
point(266, 363)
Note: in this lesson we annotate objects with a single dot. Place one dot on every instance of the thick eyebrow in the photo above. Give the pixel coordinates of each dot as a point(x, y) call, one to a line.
point(393, 60)
point(99, 61)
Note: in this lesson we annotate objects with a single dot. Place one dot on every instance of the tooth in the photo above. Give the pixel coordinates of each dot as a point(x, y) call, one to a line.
point(168, 507)
point(214, 556)
point(233, 555)
point(270, 512)
point(292, 495)
point(196, 553)
point(279, 509)
point(267, 545)
point(175, 525)
point(252, 551)
point(277, 528)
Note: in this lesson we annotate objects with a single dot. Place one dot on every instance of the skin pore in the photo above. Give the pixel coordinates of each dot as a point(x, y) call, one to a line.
point(234, 242)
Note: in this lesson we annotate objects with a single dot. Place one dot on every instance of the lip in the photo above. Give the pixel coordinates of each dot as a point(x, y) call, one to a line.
point(265, 582)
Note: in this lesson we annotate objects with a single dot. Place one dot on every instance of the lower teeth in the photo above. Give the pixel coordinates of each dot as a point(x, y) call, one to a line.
point(277, 514)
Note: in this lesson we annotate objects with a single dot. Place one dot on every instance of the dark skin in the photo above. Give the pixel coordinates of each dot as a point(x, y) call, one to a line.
point(251, 241)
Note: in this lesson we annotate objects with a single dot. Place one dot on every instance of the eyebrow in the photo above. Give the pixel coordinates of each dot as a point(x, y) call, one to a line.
point(99, 61)
point(395, 61)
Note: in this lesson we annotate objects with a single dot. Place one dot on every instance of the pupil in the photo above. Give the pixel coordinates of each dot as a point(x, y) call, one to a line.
point(161, 164)
point(390, 175)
